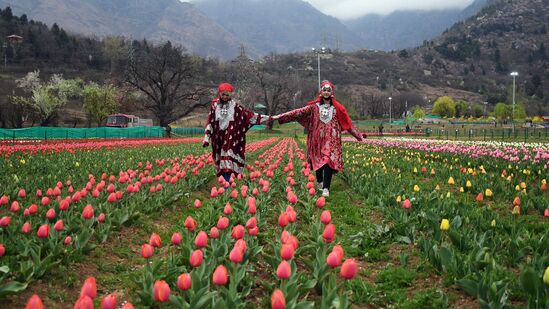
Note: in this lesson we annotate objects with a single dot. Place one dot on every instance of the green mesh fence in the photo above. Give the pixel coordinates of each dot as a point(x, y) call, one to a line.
point(75, 133)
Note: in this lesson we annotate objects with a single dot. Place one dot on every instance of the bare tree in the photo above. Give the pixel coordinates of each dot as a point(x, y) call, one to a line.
point(165, 75)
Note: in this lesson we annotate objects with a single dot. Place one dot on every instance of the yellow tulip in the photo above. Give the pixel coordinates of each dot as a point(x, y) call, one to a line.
point(437, 188)
point(517, 188)
point(77, 164)
point(451, 181)
point(546, 276)
point(468, 184)
point(461, 189)
point(415, 170)
point(22, 161)
point(543, 181)
point(488, 193)
point(448, 194)
point(522, 185)
point(416, 188)
point(444, 225)
point(493, 223)
point(399, 199)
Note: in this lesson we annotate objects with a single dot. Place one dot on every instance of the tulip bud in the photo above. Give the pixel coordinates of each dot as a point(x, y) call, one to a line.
point(161, 291)
point(238, 232)
point(109, 302)
point(184, 282)
point(2, 250)
point(89, 288)
point(326, 217)
point(546, 276)
point(34, 303)
point(43, 231)
point(176, 239)
point(348, 269)
point(277, 300)
point(444, 225)
point(220, 275)
point(329, 233)
point(284, 270)
point(147, 251)
point(201, 239)
point(196, 258)
point(287, 251)
point(406, 204)
point(155, 240)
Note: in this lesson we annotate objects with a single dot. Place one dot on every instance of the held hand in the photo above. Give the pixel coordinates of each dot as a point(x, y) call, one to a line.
point(205, 144)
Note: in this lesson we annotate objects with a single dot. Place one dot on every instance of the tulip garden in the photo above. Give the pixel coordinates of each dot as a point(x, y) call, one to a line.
point(145, 223)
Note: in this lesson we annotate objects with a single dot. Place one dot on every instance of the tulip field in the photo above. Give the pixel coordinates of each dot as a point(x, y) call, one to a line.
point(145, 223)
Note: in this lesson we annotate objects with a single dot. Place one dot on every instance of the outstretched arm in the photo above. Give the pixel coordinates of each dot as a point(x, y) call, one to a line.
point(301, 115)
point(353, 131)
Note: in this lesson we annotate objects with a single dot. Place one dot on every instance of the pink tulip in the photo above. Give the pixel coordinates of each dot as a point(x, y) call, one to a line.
point(5, 221)
point(214, 233)
point(87, 213)
point(190, 223)
point(277, 300)
point(329, 233)
point(326, 217)
point(197, 203)
point(26, 228)
point(184, 282)
point(161, 291)
point(147, 251)
point(34, 303)
point(196, 258)
point(109, 302)
point(406, 204)
point(236, 255)
point(58, 226)
point(2, 250)
point(89, 288)
point(201, 239)
point(84, 302)
point(238, 232)
point(284, 270)
point(220, 275)
point(176, 239)
point(287, 251)
point(155, 240)
point(43, 231)
point(348, 269)
point(222, 223)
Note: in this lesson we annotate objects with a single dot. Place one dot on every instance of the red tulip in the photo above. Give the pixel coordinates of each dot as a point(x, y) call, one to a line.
point(287, 251)
point(184, 282)
point(50, 214)
point(4, 200)
point(58, 226)
point(234, 194)
point(14, 206)
point(293, 242)
point(147, 251)
point(5, 221)
point(2, 250)
point(214, 233)
point(252, 205)
point(406, 204)
point(111, 198)
point(220, 275)
point(84, 303)
point(213, 192)
point(348, 269)
point(339, 250)
point(33, 208)
point(43, 231)
point(516, 201)
point(222, 223)
point(329, 233)
point(283, 219)
point(236, 255)
point(127, 306)
point(197, 203)
point(255, 191)
point(68, 240)
point(176, 239)
point(109, 302)
point(26, 228)
point(190, 223)
point(479, 197)
point(45, 201)
point(253, 231)
point(241, 244)
point(64, 204)
point(284, 270)
point(196, 258)
point(155, 240)
point(292, 198)
point(546, 213)
point(34, 303)
point(277, 300)
point(228, 209)
point(101, 217)
point(201, 239)
point(284, 236)
point(89, 288)
point(161, 291)
point(87, 213)
point(251, 223)
point(333, 260)
point(326, 217)
point(238, 232)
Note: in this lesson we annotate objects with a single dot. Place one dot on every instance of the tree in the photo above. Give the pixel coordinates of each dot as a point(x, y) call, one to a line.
point(99, 101)
point(444, 106)
point(502, 111)
point(114, 49)
point(461, 108)
point(418, 112)
point(46, 98)
point(165, 75)
point(519, 113)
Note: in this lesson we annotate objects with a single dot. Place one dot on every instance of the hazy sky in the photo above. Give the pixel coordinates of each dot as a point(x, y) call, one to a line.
point(348, 9)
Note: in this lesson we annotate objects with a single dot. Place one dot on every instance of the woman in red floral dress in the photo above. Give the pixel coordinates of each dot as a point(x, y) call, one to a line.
point(324, 119)
point(226, 128)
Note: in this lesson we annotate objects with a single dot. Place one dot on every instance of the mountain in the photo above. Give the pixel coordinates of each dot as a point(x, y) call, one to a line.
point(158, 20)
point(280, 26)
point(405, 29)
point(479, 53)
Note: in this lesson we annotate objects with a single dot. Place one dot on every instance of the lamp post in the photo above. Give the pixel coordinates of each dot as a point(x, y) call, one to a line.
point(390, 107)
point(514, 74)
point(485, 104)
point(318, 52)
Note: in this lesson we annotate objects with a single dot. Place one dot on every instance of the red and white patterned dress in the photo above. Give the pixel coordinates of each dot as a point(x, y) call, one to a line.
point(226, 132)
point(323, 134)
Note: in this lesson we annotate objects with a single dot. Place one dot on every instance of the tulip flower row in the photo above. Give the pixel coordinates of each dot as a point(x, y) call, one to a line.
point(476, 219)
point(219, 268)
point(93, 210)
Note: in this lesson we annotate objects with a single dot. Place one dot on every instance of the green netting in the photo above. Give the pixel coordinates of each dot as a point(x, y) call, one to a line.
point(71, 133)
point(187, 131)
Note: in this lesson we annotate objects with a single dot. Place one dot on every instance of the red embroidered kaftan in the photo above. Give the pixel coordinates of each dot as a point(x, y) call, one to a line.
point(323, 134)
point(226, 132)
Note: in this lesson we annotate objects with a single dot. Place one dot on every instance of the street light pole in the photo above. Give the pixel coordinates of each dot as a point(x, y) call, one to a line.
point(514, 74)
point(318, 52)
point(390, 110)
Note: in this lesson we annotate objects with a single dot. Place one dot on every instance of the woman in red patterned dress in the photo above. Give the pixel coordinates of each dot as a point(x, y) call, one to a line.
point(324, 119)
point(226, 128)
